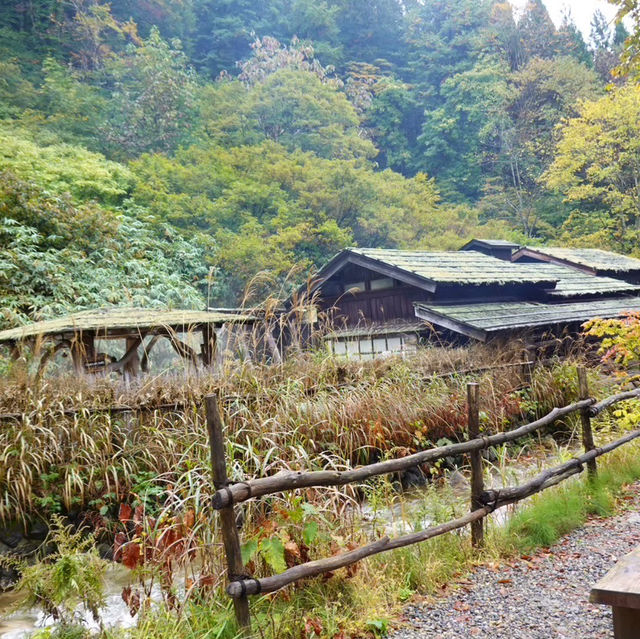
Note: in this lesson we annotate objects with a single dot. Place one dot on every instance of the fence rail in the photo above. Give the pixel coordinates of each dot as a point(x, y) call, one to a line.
point(483, 502)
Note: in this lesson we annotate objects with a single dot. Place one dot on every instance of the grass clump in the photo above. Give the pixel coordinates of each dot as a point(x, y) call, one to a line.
point(556, 512)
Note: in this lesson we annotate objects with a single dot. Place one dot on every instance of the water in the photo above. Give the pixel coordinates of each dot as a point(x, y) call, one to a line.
point(448, 496)
point(17, 625)
point(445, 498)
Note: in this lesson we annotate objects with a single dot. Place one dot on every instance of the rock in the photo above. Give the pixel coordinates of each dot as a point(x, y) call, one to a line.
point(413, 478)
point(10, 537)
point(8, 578)
point(457, 480)
point(26, 548)
point(38, 531)
point(106, 551)
point(490, 454)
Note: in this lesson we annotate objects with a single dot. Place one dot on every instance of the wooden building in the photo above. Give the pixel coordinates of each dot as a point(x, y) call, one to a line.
point(382, 300)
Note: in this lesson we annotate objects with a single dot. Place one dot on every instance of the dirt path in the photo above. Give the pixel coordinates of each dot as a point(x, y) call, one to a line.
point(545, 596)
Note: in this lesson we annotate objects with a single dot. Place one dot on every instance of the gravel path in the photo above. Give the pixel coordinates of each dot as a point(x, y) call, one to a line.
point(545, 596)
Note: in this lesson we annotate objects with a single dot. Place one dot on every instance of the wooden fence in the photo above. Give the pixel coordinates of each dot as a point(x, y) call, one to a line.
point(483, 502)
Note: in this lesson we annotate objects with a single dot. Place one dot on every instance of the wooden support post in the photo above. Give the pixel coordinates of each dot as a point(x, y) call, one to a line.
point(477, 483)
point(585, 416)
point(228, 526)
point(208, 349)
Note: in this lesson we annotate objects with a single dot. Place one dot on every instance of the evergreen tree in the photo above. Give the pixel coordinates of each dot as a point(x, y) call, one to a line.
point(571, 42)
point(537, 32)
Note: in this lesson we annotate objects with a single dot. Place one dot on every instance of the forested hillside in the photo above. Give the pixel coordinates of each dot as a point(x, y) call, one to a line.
point(164, 152)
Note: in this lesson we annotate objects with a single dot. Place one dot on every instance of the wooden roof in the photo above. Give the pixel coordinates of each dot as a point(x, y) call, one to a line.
point(592, 260)
point(480, 321)
point(490, 244)
point(427, 269)
point(121, 320)
point(575, 283)
point(387, 328)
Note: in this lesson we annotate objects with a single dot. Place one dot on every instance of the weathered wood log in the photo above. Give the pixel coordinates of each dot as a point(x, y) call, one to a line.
point(491, 499)
point(585, 419)
point(230, 538)
point(298, 479)
point(320, 566)
point(502, 496)
point(596, 409)
point(475, 458)
point(481, 369)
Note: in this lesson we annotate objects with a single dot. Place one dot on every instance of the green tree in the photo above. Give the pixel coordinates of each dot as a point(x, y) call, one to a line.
point(224, 31)
point(270, 209)
point(296, 109)
point(153, 103)
point(571, 42)
point(537, 31)
point(64, 168)
point(596, 169)
point(628, 43)
point(58, 257)
point(444, 38)
point(541, 94)
point(394, 120)
point(606, 45)
point(461, 138)
point(371, 30)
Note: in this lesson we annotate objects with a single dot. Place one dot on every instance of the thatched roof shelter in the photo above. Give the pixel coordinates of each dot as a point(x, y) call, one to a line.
point(78, 333)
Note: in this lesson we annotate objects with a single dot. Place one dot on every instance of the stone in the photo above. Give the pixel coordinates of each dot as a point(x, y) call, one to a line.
point(10, 537)
point(413, 478)
point(26, 548)
point(37, 531)
point(105, 551)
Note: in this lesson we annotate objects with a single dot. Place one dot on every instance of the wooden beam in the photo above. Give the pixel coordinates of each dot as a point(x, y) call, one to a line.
point(449, 323)
point(491, 499)
point(291, 480)
point(477, 482)
point(314, 568)
point(585, 418)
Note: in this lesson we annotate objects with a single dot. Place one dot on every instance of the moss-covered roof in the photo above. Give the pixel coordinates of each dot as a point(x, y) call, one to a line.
point(457, 267)
point(501, 244)
point(388, 328)
point(482, 320)
point(105, 321)
point(595, 259)
point(575, 283)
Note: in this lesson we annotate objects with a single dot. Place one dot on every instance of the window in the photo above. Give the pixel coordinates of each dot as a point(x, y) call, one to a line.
point(370, 347)
point(381, 284)
point(354, 287)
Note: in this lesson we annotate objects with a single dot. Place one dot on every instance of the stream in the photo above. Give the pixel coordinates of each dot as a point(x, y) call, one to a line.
point(419, 507)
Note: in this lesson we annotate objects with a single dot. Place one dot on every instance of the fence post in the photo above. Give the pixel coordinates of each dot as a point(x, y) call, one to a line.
point(228, 525)
point(477, 482)
point(585, 417)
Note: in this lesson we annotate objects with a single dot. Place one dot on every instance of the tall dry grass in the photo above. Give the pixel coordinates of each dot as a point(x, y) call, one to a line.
point(312, 410)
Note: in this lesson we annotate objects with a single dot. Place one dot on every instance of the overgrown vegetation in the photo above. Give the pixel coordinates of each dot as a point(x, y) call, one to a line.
point(313, 411)
point(281, 133)
point(144, 479)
